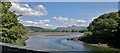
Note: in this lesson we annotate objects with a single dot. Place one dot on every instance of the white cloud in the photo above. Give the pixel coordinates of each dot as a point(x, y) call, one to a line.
point(69, 21)
point(26, 10)
point(39, 23)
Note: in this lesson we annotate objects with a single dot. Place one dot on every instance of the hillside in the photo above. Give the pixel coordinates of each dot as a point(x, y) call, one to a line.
point(70, 28)
point(35, 29)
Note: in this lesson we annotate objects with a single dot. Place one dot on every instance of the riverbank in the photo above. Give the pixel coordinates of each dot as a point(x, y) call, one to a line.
point(104, 46)
point(95, 45)
point(21, 40)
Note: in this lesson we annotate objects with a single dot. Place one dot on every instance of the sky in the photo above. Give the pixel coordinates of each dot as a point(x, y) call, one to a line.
point(64, 0)
point(61, 14)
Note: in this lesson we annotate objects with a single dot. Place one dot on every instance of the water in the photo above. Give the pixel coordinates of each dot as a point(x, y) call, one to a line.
point(60, 43)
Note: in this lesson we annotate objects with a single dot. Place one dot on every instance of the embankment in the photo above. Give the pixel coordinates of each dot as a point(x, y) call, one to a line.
point(9, 48)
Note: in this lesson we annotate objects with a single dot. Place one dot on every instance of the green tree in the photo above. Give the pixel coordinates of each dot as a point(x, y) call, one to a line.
point(105, 29)
point(10, 26)
point(72, 30)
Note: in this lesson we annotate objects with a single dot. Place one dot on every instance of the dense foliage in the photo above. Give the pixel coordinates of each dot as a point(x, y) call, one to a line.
point(105, 29)
point(10, 27)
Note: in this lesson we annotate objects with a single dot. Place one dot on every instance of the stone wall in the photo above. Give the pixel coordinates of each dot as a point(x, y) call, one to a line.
point(6, 49)
point(15, 49)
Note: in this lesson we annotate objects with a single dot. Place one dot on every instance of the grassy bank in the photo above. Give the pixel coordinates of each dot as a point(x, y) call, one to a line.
point(21, 41)
point(95, 45)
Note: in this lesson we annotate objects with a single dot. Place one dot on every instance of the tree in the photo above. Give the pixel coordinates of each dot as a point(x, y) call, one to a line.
point(104, 25)
point(105, 29)
point(10, 26)
point(73, 31)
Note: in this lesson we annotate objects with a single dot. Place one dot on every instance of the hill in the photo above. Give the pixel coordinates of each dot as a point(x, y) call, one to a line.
point(70, 28)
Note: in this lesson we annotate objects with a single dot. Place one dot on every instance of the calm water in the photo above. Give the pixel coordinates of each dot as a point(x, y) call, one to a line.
point(60, 43)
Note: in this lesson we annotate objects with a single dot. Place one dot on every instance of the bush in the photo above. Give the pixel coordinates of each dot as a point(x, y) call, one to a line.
point(87, 33)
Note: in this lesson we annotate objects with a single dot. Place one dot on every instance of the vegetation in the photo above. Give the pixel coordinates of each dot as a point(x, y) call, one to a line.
point(104, 29)
point(10, 27)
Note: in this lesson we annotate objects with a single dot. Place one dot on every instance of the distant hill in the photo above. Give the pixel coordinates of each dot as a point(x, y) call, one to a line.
point(70, 28)
point(40, 29)
point(35, 29)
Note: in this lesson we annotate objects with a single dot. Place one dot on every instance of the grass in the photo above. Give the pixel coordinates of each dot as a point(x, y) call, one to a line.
point(21, 41)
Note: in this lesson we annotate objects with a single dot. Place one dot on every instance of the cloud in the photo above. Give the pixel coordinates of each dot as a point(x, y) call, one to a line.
point(26, 10)
point(69, 21)
point(39, 23)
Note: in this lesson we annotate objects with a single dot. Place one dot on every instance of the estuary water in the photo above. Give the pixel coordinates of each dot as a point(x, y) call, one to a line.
point(60, 43)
